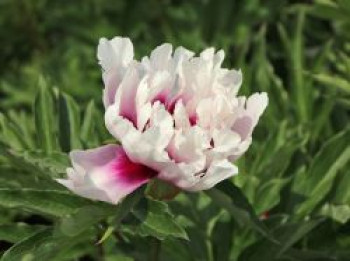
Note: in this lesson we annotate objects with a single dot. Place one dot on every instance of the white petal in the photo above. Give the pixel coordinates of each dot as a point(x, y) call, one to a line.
point(217, 172)
point(225, 140)
point(146, 148)
point(115, 53)
point(181, 54)
point(204, 113)
point(128, 89)
point(161, 128)
point(160, 56)
point(218, 59)
point(180, 116)
point(243, 126)
point(255, 106)
point(181, 175)
point(143, 106)
point(208, 54)
point(231, 80)
point(114, 56)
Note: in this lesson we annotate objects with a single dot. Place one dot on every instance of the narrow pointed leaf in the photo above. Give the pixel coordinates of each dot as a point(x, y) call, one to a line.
point(69, 123)
point(51, 202)
point(44, 114)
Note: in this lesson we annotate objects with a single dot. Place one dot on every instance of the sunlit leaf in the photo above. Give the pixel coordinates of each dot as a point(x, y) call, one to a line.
point(56, 203)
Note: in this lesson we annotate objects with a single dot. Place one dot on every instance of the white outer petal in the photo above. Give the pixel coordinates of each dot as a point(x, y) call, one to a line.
point(114, 57)
point(161, 56)
point(217, 172)
point(115, 53)
point(255, 106)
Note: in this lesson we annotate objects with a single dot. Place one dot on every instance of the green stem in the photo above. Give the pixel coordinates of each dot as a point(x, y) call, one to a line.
point(155, 250)
point(210, 253)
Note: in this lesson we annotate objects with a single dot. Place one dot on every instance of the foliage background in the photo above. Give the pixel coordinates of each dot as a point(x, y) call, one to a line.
point(292, 199)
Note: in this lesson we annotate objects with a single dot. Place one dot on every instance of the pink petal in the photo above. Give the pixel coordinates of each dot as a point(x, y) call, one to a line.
point(105, 174)
point(161, 96)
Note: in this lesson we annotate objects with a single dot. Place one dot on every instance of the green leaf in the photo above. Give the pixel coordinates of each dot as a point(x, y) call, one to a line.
point(340, 213)
point(118, 258)
point(272, 168)
point(330, 10)
point(341, 194)
point(344, 4)
point(88, 134)
point(294, 51)
point(17, 231)
point(44, 114)
point(268, 194)
point(51, 202)
point(109, 231)
point(299, 87)
point(173, 249)
point(286, 235)
point(25, 249)
point(275, 143)
point(127, 204)
point(231, 198)
point(161, 190)
point(333, 81)
point(298, 233)
point(23, 180)
point(84, 218)
point(156, 220)
point(51, 164)
point(69, 123)
point(223, 239)
point(319, 179)
point(11, 134)
point(44, 245)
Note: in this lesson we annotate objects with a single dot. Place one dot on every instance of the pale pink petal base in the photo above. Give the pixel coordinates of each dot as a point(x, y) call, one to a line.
point(105, 174)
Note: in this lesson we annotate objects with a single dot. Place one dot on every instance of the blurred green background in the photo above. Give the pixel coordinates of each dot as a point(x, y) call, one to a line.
point(58, 39)
point(296, 174)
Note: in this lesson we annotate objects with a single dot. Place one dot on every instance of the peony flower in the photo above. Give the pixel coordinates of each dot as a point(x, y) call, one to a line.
point(177, 117)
